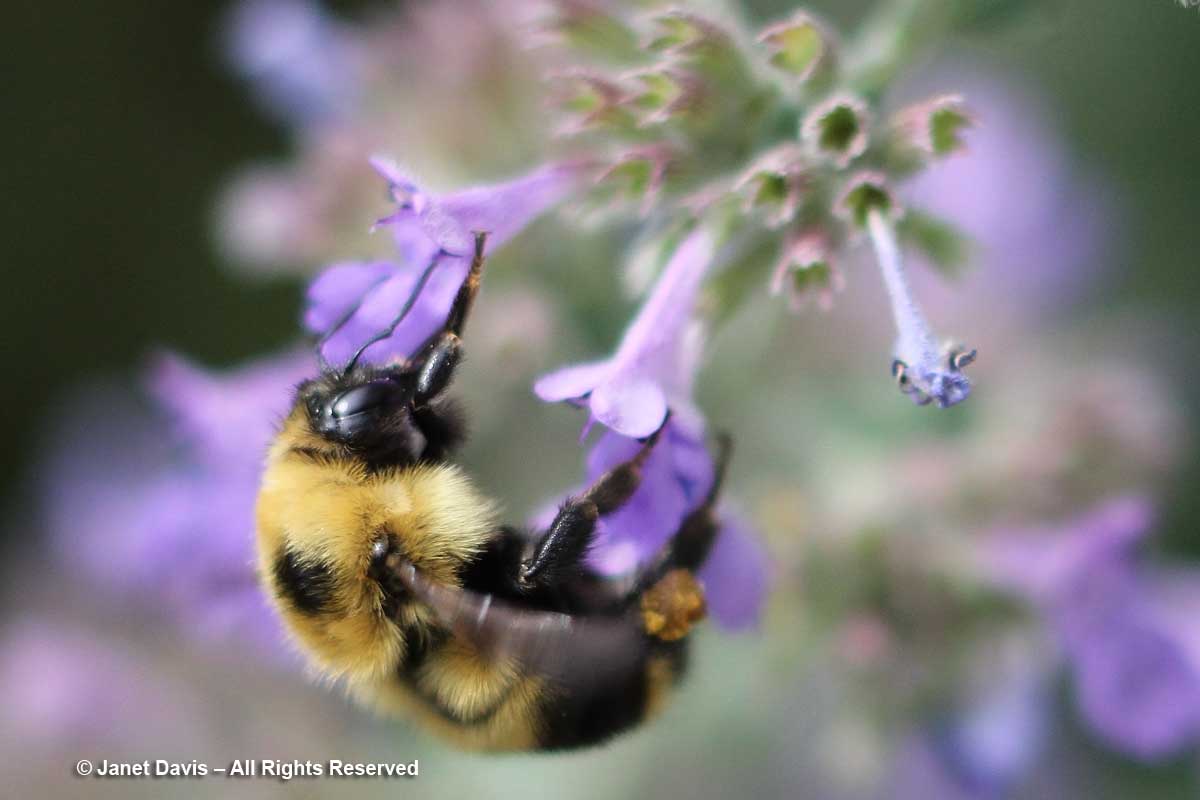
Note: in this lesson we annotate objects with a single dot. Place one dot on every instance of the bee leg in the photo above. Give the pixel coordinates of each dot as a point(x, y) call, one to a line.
point(441, 352)
point(689, 546)
point(563, 544)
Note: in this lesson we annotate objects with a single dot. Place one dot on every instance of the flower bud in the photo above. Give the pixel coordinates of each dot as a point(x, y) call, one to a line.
point(806, 271)
point(588, 26)
point(774, 184)
point(684, 33)
point(933, 128)
point(836, 129)
point(589, 100)
point(799, 46)
point(637, 174)
point(866, 192)
point(665, 92)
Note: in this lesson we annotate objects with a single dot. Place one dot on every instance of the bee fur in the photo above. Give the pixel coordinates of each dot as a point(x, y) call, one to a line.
point(394, 575)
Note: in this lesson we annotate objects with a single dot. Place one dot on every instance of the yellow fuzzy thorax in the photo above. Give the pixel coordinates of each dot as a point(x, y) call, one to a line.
point(330, 511)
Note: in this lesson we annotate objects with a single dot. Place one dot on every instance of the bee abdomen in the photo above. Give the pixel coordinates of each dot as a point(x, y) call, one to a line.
point(580, 715)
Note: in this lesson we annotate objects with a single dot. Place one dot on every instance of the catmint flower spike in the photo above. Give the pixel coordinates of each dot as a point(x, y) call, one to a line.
point(919, 367)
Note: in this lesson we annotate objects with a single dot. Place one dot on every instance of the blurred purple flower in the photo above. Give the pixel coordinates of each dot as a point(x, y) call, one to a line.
point(64, 687)
point(1136, 662)
point(653, 367)
point(434, 239)
point(169, 508)
point(1040, 241)
point(1047, 563)
point(303, 66)
point(917, 772)
point(993, 742)
point(1130, 634)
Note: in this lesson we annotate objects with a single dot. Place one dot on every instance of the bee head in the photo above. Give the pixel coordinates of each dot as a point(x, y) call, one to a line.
point(366, 410)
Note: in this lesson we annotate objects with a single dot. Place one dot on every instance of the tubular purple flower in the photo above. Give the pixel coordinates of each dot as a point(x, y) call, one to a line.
point(303, 66)
point(996, 738)
point(1129, 633)
point(1137, 673)
point(351, 302)
point(652, 369)
point(173, 525)
point(919, 365)
point(231, 415)
point(675, 480)
point(1042, 562)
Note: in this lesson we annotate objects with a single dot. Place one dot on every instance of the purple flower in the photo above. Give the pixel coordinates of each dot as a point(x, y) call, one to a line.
point(303, 66)
point(1045, 563)
point(920, 367)
point(737, 574)
point(675, 480)
point(630, 393)
point(1138, 684)
point(354, 301)
point(66, 687)
point(653, 367)
point(1130, 634)
point(993, 741)
point(169, 508)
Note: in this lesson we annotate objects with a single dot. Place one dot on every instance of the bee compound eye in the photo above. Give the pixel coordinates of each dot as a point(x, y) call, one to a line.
point(900, 373)
point(362, 398)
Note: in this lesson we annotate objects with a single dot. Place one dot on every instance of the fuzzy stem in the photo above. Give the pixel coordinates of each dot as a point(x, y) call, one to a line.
point(915, 343)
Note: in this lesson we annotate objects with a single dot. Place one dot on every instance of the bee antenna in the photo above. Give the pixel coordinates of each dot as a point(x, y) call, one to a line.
point(346, 316)
point(408, 305)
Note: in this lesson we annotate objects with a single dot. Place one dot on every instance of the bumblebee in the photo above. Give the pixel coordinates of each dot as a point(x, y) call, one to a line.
point(393, 574)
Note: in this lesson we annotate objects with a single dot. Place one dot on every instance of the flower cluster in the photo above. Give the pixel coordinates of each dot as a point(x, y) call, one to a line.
point(774, 142)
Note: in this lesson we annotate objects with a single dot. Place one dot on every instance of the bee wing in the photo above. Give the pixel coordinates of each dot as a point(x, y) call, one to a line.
point(555, 645)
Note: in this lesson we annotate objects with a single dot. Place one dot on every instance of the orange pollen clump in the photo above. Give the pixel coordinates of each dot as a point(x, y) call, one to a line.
point(671, 606)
